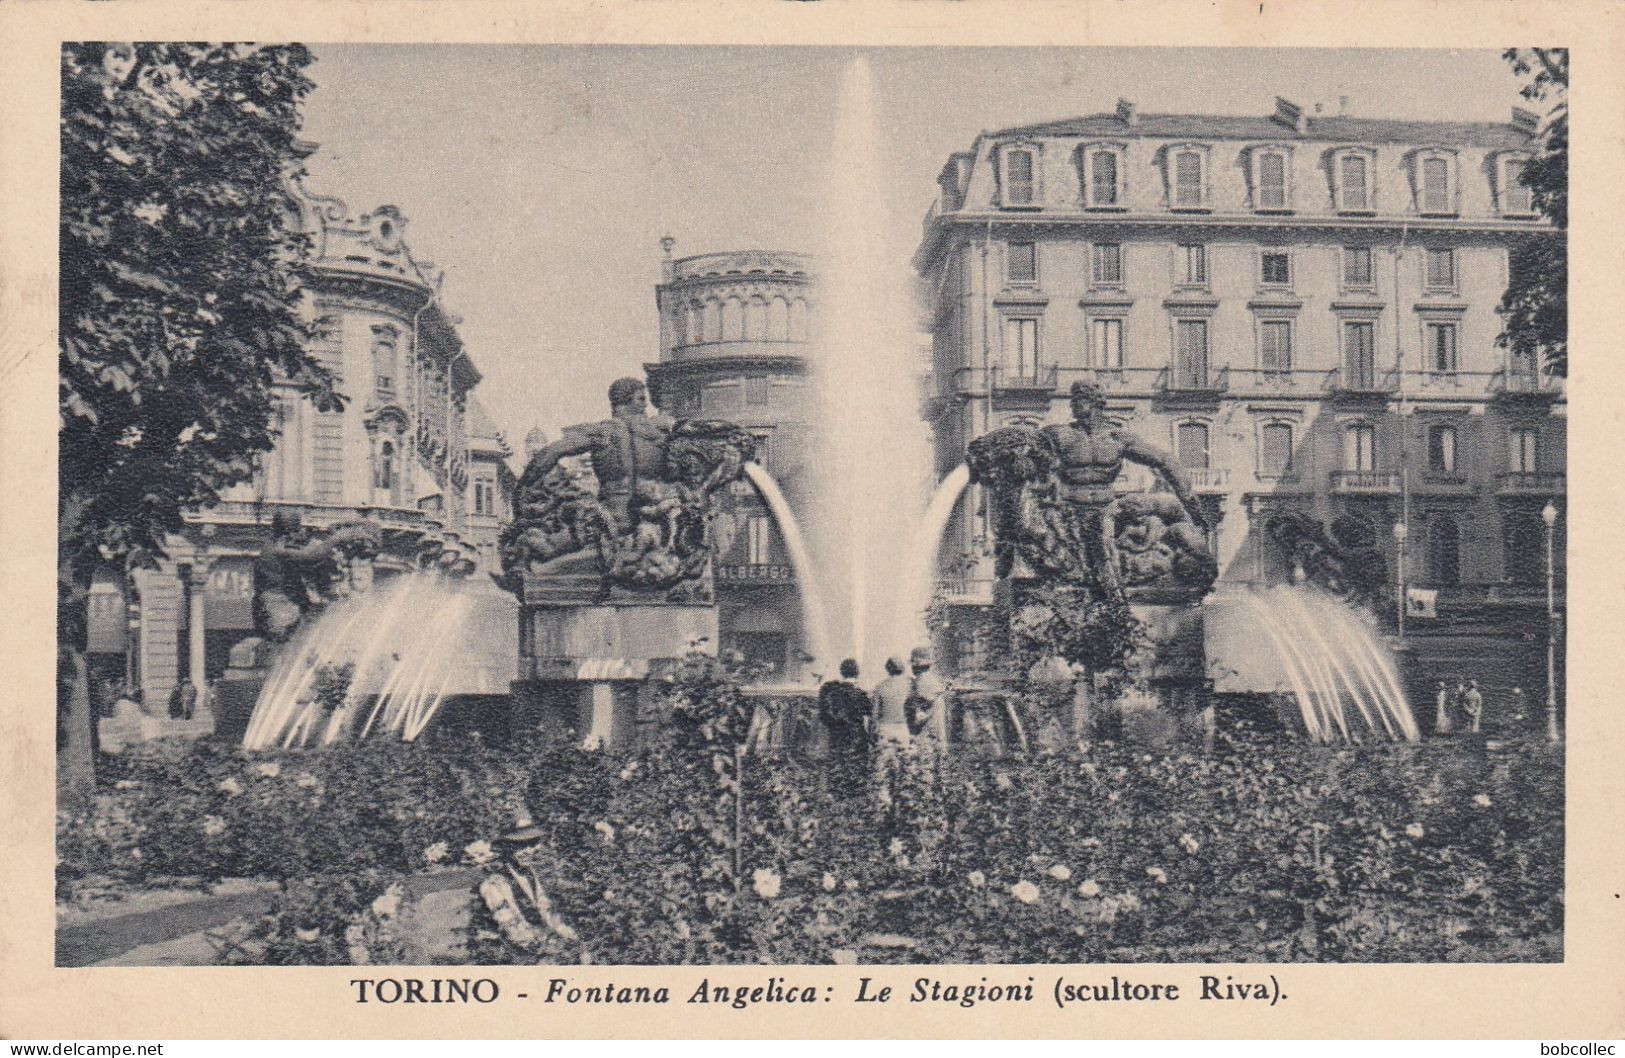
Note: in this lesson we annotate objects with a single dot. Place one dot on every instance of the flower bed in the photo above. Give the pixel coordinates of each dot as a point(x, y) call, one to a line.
point(1260, 850)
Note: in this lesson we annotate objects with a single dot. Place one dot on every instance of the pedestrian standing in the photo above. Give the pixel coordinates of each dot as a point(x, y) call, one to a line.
point(1441, 712)
point(844, 708)
point(1472, 704)
point(930, 701)
point(891, 711)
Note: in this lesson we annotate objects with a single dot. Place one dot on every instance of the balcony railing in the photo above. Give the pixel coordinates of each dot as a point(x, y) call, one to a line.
point(1359, 382)
point(1036, 379)
point(1511, 383)
point(1208, 479)
point(1296, 381)
point(967, 591)
point(1190, 381)
point(1365, 483)
point(1531, 483)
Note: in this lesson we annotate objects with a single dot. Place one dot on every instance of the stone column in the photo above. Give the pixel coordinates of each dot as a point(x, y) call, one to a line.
point(197, 651)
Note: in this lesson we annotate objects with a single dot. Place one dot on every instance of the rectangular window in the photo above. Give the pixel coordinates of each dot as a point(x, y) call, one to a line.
point(1515, 197)
point(1359, 355)
point(1021, 348)
point(1523, 445)
point(1106, 337)
point(1442, 449)
point(1190, 355)
point(1435, 185)
point(1023, 262)
point(756, 390)
point(1275, 269)
point(1272, 181)
point(1193, 265)
point(1352, 185)
point(1441, 350)
point(1187, 180)
point(1275, 345)
point(1193, 453)
point(1441, 269)
point(1103, 179)
point(1018, 172)
point(1275, 449)
point(1108, 264)
point(758, 541)
point(1357, 267)
point(1360, 449)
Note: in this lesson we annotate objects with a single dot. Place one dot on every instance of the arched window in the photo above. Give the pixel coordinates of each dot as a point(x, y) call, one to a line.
point(778, 321)
point(383, 359)
point(384, 476)
point(756, 320)
point(798, 320)
point(696, 323)
point(1192, 440)
point(1275, 450)
point(713, 320)
point(1444, 550)
point(733, 320)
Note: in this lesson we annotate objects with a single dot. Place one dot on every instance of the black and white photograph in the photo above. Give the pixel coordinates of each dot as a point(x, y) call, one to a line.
point(976, 509)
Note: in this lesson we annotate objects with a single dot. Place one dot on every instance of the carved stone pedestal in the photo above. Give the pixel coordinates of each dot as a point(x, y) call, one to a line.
point(584, 669)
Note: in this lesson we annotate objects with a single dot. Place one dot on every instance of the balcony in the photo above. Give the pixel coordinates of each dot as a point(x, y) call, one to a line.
point(1192, 383)
point(1361, 383)
point(1291, 382)
point(967, 591)
point(1034, 379)
point(1531, 483)
point(1364, 483)
point(1208, 480)
point(1512, 385)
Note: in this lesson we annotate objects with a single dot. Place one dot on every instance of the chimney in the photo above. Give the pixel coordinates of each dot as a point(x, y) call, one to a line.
point(667, 270)
point(1291, 115)
point(1127, 113)
point(1526, 120)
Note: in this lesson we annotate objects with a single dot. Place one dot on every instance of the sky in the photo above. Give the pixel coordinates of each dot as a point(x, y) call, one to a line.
point(542, 178)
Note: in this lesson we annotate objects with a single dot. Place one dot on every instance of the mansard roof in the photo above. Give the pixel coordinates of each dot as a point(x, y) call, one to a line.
point(1480, 134)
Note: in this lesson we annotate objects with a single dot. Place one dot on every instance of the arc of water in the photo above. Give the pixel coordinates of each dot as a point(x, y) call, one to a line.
point(813, 615)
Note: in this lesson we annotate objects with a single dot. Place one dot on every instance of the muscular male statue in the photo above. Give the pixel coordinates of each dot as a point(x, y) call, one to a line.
point(1092, 453)
point(627, 449)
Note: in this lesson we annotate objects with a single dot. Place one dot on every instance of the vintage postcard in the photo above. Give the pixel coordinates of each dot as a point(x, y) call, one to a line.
point(811, 520)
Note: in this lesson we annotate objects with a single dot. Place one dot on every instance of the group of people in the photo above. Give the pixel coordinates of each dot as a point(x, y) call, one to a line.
point(908, 709)
point(1467, 701)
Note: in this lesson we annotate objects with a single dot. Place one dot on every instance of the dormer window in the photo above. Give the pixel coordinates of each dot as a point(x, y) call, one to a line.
point(1187, 178)
point(1435, 176)
point(1355, 190)
point(1103, 170)
point(1018, 176)
point(1516, 199)
point(1272, 179)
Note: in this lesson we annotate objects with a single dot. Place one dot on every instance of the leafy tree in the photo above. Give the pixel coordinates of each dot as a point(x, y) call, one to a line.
point(180, 248)
point(1535, 305)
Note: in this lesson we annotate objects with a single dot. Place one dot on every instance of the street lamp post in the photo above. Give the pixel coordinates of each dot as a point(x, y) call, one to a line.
point(1549, 516)
point(1400, 533)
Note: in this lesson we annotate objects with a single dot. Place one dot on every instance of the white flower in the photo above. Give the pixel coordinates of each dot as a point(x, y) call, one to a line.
point(355, 933)
point(305, 780)
point(1156, 874)
point(1090, 843)
point(606, 830)
point(896, 846)
point(1003, 781)
point(270, 769)
point(135, 854)
point(389, 903)
point(1189, 844)
point(1415, 830)
point(851, 883)
point(125, 784)
point(479, 853)
point(213, 826)
point(977, 879)
point(1061, 873)
point(829, 882)
point(1128, 902)
point(436, 852)
point(309, 936)
point(359, 956)
point(630, 770)
point(1090, 888)
point(1481, 800)
point(766, 883)
point(1024, 891)
point(592, 744)
point(230, 786)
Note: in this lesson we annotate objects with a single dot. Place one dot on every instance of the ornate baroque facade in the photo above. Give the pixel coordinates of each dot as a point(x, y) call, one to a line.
point(734, 333)
point(1302, 308)
point(411, 453)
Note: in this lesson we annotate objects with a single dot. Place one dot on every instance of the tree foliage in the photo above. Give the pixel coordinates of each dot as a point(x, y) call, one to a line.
point(179, 305)
point(1535, 305)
